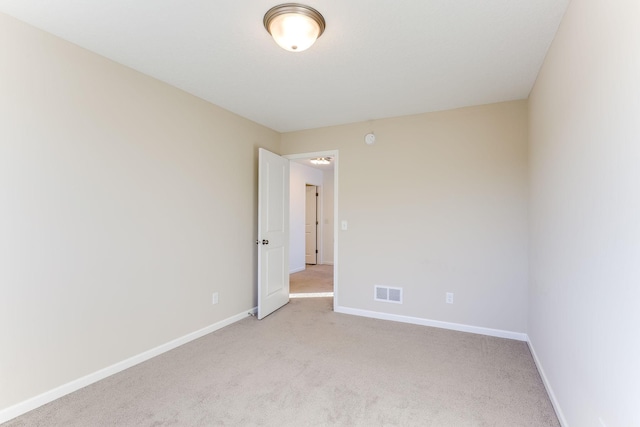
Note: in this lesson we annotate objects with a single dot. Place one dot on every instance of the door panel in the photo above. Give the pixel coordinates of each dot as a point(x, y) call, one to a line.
point(274, 264)
point(311, 225)
point(273, 232)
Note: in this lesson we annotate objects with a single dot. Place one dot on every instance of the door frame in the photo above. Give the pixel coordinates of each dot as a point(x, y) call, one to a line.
point(316, 220)
point(335, 155)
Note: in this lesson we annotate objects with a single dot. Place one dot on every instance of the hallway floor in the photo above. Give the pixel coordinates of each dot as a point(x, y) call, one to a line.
point(314, 279)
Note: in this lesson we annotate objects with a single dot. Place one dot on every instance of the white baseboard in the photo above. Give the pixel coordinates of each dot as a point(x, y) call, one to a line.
point(547, 386)
point(23, 407)
point(434, 323)
point(296, 270)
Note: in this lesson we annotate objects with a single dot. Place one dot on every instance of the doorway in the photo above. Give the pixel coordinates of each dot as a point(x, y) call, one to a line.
point(313, 215)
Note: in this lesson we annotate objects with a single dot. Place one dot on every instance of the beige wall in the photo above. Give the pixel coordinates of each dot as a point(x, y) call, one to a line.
point(124, 204)
point(438, 204)
point(585, 214)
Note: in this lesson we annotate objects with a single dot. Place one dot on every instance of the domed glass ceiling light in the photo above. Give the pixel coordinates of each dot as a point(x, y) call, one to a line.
point(295, 27)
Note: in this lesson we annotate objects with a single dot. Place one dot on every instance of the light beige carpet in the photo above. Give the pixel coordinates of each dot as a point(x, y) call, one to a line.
point(313, 279)
point(307, 366)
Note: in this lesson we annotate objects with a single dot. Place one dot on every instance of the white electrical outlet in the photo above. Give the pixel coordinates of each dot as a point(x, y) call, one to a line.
point(449, 298)
point(215, 298)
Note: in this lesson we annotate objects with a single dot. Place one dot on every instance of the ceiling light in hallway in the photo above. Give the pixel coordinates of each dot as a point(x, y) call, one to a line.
point(321, 161)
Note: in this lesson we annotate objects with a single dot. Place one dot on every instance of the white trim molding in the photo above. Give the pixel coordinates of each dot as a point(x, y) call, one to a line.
point(297, 270)
point(434, 323)
point(547, 386)
point(30, 404)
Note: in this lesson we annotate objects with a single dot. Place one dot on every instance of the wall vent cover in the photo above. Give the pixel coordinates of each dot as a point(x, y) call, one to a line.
point(387, 294)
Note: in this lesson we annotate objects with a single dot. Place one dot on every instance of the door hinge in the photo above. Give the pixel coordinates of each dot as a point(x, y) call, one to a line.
point(316, 194)
point(316, 251)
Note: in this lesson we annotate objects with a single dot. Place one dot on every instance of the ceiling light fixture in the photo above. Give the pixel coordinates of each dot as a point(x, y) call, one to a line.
point(321, 160)
point(295, 27)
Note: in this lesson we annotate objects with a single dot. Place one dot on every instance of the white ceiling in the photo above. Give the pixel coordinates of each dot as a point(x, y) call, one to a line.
point(376, 58)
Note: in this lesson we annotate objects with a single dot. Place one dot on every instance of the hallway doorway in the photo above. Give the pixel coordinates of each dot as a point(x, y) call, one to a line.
point(314, 276)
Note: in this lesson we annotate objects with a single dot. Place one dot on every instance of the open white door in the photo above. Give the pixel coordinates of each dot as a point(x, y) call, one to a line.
point(273, 232)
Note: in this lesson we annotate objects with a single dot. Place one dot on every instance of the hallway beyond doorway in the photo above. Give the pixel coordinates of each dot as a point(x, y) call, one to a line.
point(312, 280)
